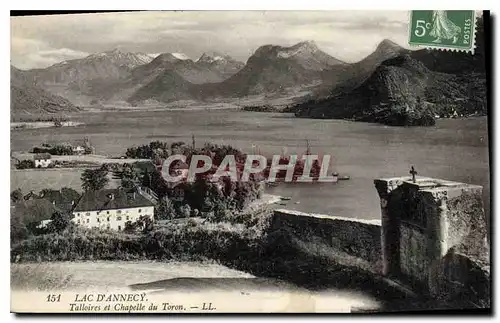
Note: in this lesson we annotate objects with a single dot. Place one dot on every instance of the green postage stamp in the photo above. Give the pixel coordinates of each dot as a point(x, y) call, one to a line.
point(443, 29)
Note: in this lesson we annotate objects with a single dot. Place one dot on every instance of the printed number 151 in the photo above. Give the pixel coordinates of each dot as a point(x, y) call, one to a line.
point(421, 28)
point(53, 298)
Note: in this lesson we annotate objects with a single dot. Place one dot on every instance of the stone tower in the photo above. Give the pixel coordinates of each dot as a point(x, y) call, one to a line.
point(434, 236)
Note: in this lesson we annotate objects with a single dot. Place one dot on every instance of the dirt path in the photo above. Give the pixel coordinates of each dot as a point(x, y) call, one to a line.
point(227, 288)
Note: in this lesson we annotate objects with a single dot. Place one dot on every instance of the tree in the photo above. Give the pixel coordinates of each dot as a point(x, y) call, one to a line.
point(155, 181)
point(165, 210)
point(94, 179)
point(130, 227)
point(16, 195)
point(130, 176)
point(24, 164)
point(185, 211)
point(145, 223)
point(18, 229)
point(59, 222)
point(54, 150)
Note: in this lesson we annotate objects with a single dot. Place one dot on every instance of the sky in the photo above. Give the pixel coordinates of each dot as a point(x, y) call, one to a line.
point(40, 41)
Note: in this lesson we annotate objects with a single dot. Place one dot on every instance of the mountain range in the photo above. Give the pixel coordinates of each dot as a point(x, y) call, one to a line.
point(118, 77)
point(207, 69)
point(269, 69)
point(386, 86)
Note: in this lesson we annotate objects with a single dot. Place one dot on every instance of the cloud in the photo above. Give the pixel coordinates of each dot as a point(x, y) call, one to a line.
point(30, 53)
point(67, 53)
point(39, 41)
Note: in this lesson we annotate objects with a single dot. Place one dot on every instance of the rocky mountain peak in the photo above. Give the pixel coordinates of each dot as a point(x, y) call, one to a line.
point(109, 54)
point(166, 57)
point(309, 45)
point(118, 57)
point(302, 48)
point(181, 56)
point(212, 57)
point(387, 45)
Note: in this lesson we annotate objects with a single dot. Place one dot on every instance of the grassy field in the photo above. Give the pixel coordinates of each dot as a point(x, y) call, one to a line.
point(56, 178)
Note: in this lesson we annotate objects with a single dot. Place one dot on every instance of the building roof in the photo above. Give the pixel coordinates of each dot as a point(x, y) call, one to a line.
point(111, 199)
point(42, 156)
point(33, 210)
point(30, 196)
point(63, 199)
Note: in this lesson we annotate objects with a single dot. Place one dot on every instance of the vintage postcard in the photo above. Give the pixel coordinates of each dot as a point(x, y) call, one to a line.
point(250, 162)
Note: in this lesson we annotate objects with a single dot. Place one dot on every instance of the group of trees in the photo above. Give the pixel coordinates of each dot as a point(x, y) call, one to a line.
point(54, 150)
point(144, 224)
point(200, 196)
point(25, 164)
point(16, 195)
point(153, 150)
point(167, 209)
point(130, 176)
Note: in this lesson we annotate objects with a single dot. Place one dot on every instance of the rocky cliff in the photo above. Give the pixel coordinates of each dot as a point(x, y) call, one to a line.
point(393, 94)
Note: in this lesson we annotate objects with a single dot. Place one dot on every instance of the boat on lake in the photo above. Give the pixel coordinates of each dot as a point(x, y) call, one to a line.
point(341, 178)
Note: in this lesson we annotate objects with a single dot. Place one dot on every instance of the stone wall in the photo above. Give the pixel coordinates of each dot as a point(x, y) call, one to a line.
point(341, 236)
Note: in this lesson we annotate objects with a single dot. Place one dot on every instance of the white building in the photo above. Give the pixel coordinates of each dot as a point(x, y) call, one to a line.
point(111, 208)
point(42, 160)
point(81, 147)
point(78, 150)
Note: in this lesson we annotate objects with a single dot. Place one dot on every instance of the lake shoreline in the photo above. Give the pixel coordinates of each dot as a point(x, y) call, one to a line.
point(43, 124)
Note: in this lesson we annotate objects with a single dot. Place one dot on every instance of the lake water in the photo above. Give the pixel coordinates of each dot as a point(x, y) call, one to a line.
point(453, 149)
